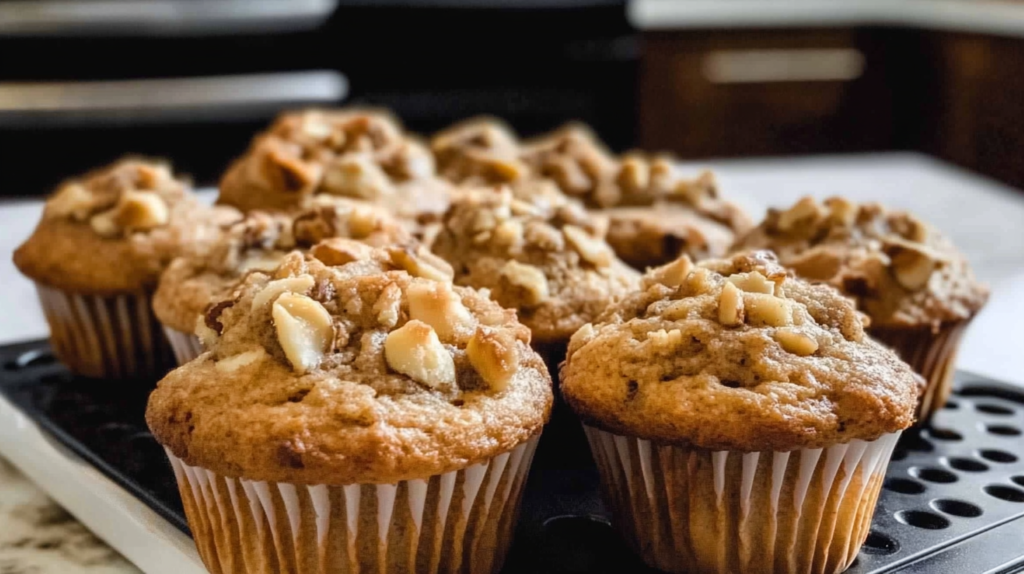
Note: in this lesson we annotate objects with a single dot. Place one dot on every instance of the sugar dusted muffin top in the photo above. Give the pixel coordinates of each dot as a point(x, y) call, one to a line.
point(901, 271)
point(353, 153)
point(736, 355)
point(544, 259)
point(259, 241)
point(374, 370)
point(115, 229)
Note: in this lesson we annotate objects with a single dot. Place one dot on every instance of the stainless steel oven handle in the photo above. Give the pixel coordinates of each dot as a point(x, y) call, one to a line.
point(160, 17)
point(161, 94)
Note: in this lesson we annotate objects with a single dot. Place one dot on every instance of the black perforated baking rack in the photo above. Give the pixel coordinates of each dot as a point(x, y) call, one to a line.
point(952, 502)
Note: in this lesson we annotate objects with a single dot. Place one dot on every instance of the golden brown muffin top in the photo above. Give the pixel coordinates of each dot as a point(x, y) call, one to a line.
point(736, 355)
point(633, 192)
point(901, 271)
point(371, 371)
point(259, 241)
point(546, 260)
point(358, 154)
point(115, 229)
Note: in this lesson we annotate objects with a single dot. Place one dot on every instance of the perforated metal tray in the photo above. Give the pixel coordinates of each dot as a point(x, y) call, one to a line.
point(953, 500)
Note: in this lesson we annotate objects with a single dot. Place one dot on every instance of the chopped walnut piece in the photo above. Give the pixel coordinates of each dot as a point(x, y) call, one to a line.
point(795, 342)
point(389, 306)
point(436, 304)
point(592, 250)
point(672, 274)
point(419, 262)
point(75, 201)
point(301, 284)
point(805, 211)
point(665, 341)
point(235, 362)
point(134, 211)
point(305, 330)
point(752, 282)
point(767, 310)
point(494, 355)
point(913, 268)
point(415, 351)
point(730, 306)
point(340, 251)
point(356, 176)
point(634, 174)
point(842, 211)
point(529, 278)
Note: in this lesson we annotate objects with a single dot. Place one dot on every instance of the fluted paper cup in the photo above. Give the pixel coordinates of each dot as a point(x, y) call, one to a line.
point(186, 346)
point(458, 522)
point(932, 355)
point(700, 511)
point(106, 337)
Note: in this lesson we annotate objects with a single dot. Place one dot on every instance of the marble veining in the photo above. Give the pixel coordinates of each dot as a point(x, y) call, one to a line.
point(39, 537)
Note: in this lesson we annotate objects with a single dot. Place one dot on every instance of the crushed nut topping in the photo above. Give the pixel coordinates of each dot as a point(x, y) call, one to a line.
point(529, 278)
point(437, 305)
point(793, 341)
point(494, 355)
point(415, 351)
point(304, 330)
point(730, 306)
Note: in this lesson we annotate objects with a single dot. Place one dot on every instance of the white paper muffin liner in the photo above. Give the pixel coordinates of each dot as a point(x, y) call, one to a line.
point(186, 346)
point(700, 511)
point(110, 337)
point(458, 522)
point(933, 355)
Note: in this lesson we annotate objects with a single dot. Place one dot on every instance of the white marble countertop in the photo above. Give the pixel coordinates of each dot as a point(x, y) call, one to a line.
point(984, 218)
point(1000, 17)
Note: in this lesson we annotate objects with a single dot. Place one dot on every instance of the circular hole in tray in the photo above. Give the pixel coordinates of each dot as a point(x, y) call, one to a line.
point(33, 358)
point(957, 508)
point(1018, 480)
point(915, 442)
point(1003, 430)
point(945, 434)
point(899, 454)
point(923, 519)
point(951, 406)
point(903, 485)
point(966, 464)
point(932, 474)
point(992, 409)
point(1003, 492)
point(583, 543)
point(997, 455)
point(879, 544)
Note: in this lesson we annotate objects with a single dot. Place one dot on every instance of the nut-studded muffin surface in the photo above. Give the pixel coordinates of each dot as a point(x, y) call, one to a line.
point(353, 153)
point(115, 229)
point(736, 355)
point(544, 259)
point(654, 213)
point(259, 241)
point(373, 370)
point(901, 271)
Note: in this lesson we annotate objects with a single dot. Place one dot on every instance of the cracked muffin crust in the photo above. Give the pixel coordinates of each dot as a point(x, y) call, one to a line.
point(353, 153)
point(736, 355)
point(373, 370)
point(653, 214)
point(259, 241)
point(131, 218)
point(546, 260)
point(901, 271)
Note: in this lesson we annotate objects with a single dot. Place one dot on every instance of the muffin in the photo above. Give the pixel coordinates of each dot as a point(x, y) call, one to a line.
point(740, 418)
point(257, 242)
point(545, 260)
point(918, 290)
point(359, 417)
point(652, 213)
point(358, 154)
point(96, 257)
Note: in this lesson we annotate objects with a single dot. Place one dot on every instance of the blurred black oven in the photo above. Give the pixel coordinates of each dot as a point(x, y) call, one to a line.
point(84, 81)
